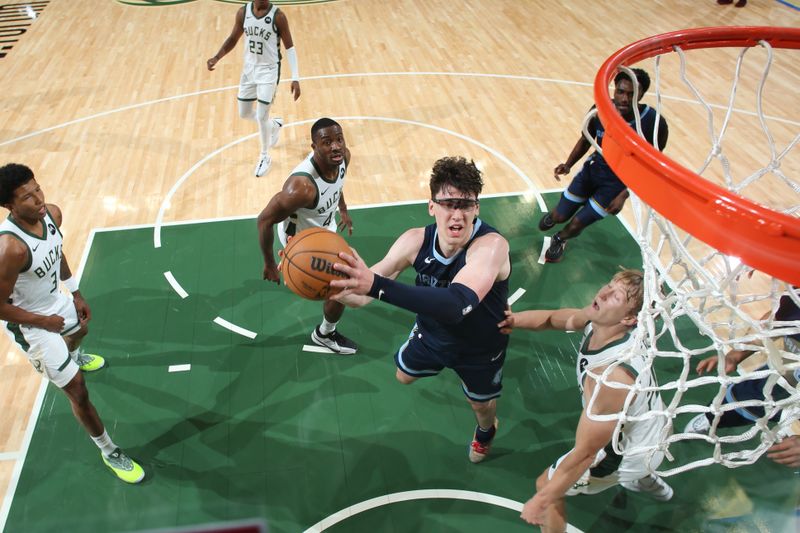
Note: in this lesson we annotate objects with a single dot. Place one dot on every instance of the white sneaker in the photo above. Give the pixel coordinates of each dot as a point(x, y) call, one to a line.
point(653, 485)
point(277, 124)
point(334, 341)
point(264, 162)
point(698, 424)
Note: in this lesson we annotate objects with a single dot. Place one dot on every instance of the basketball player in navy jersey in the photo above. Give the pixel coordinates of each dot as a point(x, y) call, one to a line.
point(596, 191)
point(45, 323)
point(460, 294)
point(310, 198)
point(263, 25)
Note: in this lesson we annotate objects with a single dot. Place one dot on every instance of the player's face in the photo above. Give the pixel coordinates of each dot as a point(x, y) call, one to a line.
point(261, 5)
point(28, 202)
point(611, 306)
point(623, 97)
point(455, 213)
point(329, 146)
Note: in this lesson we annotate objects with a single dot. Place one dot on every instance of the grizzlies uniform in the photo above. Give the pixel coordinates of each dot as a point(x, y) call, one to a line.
point(474, 348)
point(610, 469)
point(36, 291)
point(262, 57)
point(326, 203)
point(596, 182)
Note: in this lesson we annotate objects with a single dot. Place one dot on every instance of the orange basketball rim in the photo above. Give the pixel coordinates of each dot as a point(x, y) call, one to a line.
point(763, 239)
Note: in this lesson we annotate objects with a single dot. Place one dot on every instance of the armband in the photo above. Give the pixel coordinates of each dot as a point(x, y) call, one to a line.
point(71, 284)
point(291, 55)
point(449, 305)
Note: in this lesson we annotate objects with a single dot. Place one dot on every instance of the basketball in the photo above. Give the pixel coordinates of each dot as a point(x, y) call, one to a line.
point(307, 264)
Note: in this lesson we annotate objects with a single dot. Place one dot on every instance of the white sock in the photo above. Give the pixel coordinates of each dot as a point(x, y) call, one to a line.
point(105, 443)
point(75, 353)
point(327, 327)
point(264, 127)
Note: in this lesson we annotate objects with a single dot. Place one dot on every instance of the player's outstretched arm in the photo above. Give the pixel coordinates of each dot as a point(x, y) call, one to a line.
point(786, 452)
point(567, 319)
point(291, 54)
point(230, 42)
point(297, 192)
point(578, 151)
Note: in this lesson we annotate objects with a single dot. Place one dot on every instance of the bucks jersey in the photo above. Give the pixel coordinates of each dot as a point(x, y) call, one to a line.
point(322, 213)
point(37, 284)
point(639, 433)
point(477, 334)
point(261, 44)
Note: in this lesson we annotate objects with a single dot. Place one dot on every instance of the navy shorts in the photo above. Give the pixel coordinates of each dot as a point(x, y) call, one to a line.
point(595, 183)
point(753, 389)
point(481, 374)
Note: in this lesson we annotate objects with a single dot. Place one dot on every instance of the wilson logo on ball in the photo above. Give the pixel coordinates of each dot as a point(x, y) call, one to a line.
point(322, 265)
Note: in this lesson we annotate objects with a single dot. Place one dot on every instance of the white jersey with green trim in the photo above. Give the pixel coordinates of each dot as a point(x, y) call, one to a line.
point(37, 284)
point(261, 43)
point(323, 212)
point(638, 433)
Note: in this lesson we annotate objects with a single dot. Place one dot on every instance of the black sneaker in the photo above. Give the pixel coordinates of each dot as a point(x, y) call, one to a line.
point(556, 250)
point(546, 222)
point(334, 341)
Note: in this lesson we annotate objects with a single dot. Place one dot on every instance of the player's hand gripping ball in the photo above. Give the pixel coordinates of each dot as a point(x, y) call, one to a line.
point(307, 264)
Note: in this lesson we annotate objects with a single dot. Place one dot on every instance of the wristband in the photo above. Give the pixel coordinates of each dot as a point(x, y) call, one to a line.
point(71, 284)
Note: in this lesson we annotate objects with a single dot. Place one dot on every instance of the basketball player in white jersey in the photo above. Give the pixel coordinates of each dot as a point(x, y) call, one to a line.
point(45, 323)
point(311, 196)
point(592, 465)
point(264, 26)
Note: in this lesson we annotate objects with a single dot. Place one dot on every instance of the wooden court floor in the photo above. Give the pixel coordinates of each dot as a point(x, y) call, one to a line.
point(111, 105)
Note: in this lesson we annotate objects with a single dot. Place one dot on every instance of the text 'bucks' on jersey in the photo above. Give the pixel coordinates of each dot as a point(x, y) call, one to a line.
point(323, 213)
point(261, 44)
point(38, 282)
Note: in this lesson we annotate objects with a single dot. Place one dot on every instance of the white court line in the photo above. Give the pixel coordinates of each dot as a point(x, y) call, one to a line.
point(545, 246)
point(423, 494)
point(175, 285)
point(10, 456)
point(316, 349)
point(179, 368)
point(234, 328)
point(516, 296)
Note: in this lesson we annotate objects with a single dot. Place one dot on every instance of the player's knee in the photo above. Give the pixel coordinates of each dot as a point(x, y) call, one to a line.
point(77, 392)
point(481, 407)
point(404, 378)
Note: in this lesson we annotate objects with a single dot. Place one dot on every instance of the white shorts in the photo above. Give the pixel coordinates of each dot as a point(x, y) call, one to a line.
point(258, 83)
point(282, 229)
point(604, 473)
point(47, 351)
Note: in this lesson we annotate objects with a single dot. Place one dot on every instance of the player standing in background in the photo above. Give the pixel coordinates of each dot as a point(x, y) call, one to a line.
point(45, 323)
point(263, 25)
point(310, 198)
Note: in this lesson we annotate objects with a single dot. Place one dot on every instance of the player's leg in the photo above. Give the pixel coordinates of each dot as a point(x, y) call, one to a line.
point(48, 353)
point(482, 383)
point(247, 97)
point(570, 201)
point(268, 130)
point(326, 333)
point(414, 360)
point(74, 334)
point(634, 475)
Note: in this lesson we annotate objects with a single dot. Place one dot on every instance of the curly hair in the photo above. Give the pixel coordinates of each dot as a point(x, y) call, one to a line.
point(12, 177)
point(457, 173)
point(642, 77)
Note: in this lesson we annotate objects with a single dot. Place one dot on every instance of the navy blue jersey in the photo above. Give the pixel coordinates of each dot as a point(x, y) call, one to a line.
point(477, 334)
point(787, 311)
point(648, 117)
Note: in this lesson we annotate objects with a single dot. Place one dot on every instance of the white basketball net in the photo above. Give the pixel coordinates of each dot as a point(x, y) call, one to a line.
point(694, 288)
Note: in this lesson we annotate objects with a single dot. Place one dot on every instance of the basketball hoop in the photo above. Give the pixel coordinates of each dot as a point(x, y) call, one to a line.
point(701, 244)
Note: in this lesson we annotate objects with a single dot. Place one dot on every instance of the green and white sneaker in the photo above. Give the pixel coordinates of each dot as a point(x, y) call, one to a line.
point(123, 466)
point(89, 362)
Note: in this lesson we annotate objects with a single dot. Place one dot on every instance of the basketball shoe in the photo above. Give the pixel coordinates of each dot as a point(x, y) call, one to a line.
point(651, 484)
point(123, 466)
point(479, 450)
point(555, 253)
point(334, 341)
point(88, 362)
point(262, 167)
point(277, 124)
point(698, 424)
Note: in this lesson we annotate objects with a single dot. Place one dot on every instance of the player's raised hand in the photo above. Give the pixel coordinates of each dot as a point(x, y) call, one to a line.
point(360, 276)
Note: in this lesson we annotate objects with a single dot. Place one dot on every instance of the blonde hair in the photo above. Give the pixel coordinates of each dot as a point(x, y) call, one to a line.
point(634, 287)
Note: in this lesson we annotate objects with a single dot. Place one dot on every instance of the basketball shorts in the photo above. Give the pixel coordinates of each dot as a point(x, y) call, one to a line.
point(481, 375)
point(258, 82)
point(753, 389)
point(607, 470)
point(289, 228)
point(598, 185)
point(46, 350)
